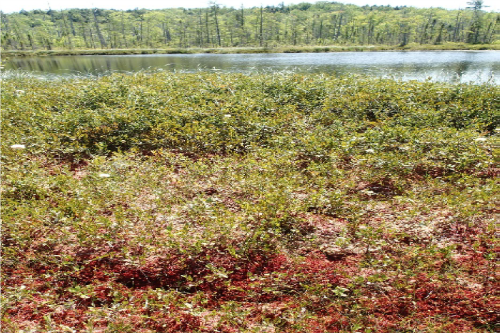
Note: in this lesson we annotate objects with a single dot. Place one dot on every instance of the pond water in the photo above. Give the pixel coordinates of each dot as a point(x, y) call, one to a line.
point(447, 66)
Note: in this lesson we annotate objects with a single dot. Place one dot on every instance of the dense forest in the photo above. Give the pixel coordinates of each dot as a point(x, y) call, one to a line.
point(322, 23)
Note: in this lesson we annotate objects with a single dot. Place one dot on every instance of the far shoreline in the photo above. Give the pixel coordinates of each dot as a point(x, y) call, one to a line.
point(253, 50)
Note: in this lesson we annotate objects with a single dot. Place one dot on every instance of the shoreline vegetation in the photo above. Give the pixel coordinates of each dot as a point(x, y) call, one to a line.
point(253, 50)
point(305, 27)
point(277, 202)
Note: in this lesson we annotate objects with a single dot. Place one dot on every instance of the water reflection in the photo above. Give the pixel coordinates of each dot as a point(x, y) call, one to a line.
point(453, 66)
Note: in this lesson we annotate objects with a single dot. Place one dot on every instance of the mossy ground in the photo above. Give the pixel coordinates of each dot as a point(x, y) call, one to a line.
point(278, 202)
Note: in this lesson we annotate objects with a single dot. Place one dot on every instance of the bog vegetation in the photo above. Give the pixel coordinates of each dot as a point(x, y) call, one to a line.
point(304, 24)
point(161, 202)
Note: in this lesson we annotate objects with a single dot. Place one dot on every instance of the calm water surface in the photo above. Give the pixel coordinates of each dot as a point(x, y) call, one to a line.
point(448, 66)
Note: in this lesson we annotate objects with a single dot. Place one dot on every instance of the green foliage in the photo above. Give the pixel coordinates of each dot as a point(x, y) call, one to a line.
point(237, 113)
point(229, 202)
point(314, 25)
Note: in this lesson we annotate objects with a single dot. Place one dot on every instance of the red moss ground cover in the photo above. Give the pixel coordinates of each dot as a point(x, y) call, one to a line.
point(276, 289)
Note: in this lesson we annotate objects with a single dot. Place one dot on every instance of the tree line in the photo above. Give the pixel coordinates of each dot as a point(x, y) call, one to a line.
point(322, 23)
